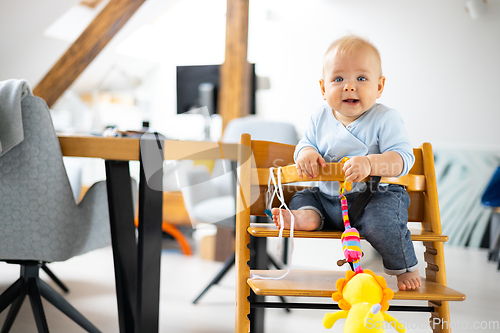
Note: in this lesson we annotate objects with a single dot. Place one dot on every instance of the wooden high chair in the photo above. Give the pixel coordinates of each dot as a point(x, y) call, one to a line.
point(255, 158)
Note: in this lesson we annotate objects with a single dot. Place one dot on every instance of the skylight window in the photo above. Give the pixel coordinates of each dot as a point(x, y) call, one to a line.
point(72, 23)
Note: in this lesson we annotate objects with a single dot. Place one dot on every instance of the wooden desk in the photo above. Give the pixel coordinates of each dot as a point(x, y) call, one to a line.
point(137, 261)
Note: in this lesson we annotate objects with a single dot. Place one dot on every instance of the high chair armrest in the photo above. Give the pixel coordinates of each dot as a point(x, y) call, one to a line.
point(333, 172)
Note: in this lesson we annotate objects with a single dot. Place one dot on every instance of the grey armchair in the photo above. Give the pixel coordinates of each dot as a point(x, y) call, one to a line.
point(40, 221)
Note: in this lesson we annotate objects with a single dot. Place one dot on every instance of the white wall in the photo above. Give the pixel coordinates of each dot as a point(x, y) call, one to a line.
point(24, 52)
point(442, 67)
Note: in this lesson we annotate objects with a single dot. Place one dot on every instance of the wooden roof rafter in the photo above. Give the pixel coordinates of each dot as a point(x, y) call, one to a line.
point(81, 53)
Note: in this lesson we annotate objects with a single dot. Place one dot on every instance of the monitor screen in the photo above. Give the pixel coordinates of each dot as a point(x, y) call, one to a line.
point(198, 86)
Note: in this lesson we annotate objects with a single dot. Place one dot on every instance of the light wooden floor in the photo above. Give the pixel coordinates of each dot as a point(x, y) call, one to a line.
point(90, 278)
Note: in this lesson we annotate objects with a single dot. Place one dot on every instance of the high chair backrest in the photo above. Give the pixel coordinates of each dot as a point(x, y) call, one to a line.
point(420, 182)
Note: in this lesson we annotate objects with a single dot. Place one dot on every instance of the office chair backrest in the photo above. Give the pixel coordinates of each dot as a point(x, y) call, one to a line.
point(200, 187)
point(260, 129)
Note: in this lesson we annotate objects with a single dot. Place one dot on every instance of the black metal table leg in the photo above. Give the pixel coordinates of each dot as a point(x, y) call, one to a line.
point(149, 249)
point(123, 241)
point(137, 260)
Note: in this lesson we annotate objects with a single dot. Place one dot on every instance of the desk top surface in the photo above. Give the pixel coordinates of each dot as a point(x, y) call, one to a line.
point(128, 149)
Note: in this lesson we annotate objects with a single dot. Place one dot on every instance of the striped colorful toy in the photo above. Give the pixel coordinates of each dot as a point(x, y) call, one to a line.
point(351, 244)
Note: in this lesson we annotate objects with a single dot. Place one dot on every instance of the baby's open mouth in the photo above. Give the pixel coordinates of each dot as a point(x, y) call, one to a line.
point(351, 101)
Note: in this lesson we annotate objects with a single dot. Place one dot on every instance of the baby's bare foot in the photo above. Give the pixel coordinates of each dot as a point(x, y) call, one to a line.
point(306, 220)
point(409, 280)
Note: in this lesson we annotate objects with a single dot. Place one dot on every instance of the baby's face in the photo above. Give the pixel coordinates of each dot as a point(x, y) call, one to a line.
point(351, 84)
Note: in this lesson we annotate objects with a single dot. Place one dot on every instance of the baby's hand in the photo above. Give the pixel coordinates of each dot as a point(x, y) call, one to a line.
point(307, 162)
point(357, 168)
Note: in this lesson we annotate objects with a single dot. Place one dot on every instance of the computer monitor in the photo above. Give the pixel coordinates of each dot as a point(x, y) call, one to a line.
point(198, 86)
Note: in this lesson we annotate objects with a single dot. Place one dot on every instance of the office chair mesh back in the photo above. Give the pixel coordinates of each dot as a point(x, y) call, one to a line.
point(40, 219)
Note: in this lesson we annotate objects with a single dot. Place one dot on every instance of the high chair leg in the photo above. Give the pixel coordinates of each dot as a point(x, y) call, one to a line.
point(440, 319)
point(435, 271)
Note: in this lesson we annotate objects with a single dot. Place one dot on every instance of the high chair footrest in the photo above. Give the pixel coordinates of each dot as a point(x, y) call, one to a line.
point(312, 283)
point(331, 306)
point(270, 230)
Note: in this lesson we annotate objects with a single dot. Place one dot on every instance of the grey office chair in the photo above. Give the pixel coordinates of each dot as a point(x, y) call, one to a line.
point(40, 221)
point(211, 198)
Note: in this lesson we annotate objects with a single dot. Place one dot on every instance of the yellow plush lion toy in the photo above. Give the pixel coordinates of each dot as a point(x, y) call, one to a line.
point(363, 298)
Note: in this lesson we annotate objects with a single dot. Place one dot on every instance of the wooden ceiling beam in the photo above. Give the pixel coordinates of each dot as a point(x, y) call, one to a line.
point(97, 35)
point(235, 76)
point(90, 3)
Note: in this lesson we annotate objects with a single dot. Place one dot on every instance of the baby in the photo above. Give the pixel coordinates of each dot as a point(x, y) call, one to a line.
point(374, 138)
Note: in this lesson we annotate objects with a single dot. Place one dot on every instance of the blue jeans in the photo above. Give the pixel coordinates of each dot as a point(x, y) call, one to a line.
point(382, 224)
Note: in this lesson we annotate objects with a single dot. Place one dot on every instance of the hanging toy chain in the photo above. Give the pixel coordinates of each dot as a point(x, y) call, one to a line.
point(351, 244)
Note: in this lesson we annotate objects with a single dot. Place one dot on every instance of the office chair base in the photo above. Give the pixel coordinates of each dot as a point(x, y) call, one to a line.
point(54, 278)
point(230, 261)
point(227, 265)
point(29, 284)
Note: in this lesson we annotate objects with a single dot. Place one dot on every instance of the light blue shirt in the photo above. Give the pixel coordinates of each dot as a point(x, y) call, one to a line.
point(376, 131)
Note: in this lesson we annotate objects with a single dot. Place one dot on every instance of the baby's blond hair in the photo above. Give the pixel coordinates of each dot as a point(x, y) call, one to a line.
point(349, 45)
